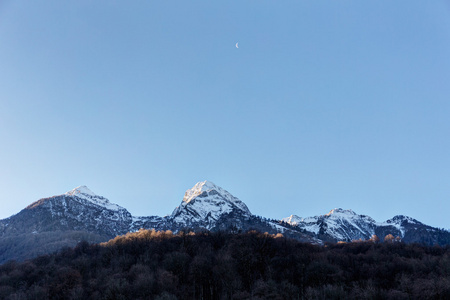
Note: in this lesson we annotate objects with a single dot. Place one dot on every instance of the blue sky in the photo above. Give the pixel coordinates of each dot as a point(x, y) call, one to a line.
point(324, 104)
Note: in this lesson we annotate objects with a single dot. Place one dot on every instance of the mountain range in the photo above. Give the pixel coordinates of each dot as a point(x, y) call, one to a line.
point(50, 224)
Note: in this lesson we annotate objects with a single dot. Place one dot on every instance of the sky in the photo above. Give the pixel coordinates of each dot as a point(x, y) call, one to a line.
point(325, 104)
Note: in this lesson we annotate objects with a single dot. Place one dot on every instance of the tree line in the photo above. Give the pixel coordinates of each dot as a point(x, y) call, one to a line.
point(160, 265)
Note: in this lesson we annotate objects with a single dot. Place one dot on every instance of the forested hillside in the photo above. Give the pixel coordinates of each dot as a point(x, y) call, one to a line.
point(160, 265)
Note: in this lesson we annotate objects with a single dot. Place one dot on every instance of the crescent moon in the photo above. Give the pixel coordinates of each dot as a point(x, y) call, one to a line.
point(237, 46)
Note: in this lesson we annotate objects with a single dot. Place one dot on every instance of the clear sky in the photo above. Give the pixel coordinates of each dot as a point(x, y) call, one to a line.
point(324, 104)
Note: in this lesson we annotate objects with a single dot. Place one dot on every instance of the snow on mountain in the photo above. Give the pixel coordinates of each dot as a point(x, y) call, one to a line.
point(83, 192)
point(400, 223)
point(65, 219)
point(339, 224)
point(399, 220)
point(205, 203)
point(293, 220)
point(212, 190)
point(347, 225)
point(79, 209)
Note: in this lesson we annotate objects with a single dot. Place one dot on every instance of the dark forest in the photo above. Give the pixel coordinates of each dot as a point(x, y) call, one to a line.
point(160, 265)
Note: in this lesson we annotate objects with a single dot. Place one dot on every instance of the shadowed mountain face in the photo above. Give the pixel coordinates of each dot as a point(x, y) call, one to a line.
point(52, 223)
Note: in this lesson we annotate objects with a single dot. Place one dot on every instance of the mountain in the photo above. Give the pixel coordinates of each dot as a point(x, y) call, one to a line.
point(413, 231)
point(78, 209)
point(208, 206)
point(52, 223)
point(205, 204)
point(61, 221)
point(345, 225)
point(338, 224)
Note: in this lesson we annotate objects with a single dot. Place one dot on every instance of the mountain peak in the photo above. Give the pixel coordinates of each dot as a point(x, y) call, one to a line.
point(204, 188)
point(401, 219)
point(293, 220)
point(206, 202)
point(82, 189)
point(83, 192)
point(200, 187)
point(340, 211)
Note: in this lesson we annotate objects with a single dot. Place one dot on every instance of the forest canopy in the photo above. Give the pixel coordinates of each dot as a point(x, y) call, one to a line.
point(161, 265)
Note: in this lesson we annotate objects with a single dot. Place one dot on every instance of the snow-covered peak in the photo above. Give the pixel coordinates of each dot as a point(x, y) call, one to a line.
point(340, 224)
point(205, 203)
point(347, 214)
point(206, 186)
point(293, 220)
point(400, 220)
point(83, 192)
point(82, 189)
point(339, 212)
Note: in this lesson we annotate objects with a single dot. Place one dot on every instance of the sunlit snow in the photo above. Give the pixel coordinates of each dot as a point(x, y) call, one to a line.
point(83, 192)
point(205, 203)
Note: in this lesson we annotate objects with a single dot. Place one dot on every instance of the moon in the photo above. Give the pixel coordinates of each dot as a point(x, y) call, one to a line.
point(237, 45)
